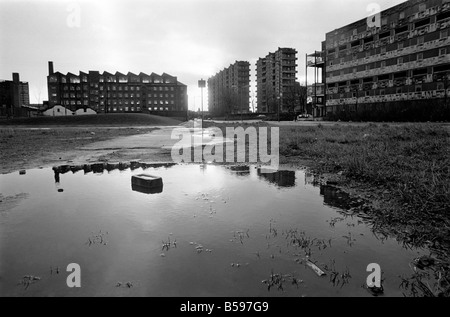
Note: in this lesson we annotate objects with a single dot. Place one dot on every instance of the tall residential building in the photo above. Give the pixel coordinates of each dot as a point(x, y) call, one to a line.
point(229, 90)
point(107, 92)
point(401, 57)
point(275, 81)
point(14, 95)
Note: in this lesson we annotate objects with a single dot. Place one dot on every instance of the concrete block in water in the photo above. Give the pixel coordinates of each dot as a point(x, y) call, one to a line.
point(135, 164)
point(147, 190)
point(110, 166)
point(98, 167)
point(147, 181)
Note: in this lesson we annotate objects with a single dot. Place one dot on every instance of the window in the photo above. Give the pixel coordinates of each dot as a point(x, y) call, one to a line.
point(419, 88)
point(383, 64)
point(383, 50)
point(444, 35)
point(442, 51)
point(420, 40)
point(400, 45)
point(384, 21)
point(420, 57)
point(422, 7)
point(402, 15)
point(399, 60)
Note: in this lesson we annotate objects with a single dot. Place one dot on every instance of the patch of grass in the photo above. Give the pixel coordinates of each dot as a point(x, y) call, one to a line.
point(411, 162)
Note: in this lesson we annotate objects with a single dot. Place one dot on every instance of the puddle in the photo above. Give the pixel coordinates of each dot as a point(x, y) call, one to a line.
point(210, 231)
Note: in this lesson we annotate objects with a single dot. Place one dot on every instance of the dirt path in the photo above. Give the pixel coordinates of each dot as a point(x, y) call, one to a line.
point(45, 147)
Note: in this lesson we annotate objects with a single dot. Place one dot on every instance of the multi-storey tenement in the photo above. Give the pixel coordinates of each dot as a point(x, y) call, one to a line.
point(229, 90)
point(14, 95)
point(406, 57)
point(275, 81)
point(107, 93)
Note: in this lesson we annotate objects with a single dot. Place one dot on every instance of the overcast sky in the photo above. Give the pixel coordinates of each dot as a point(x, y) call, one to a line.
point(190, 39)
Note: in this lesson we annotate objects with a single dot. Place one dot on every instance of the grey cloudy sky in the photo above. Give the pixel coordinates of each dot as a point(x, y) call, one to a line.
point(190, 39)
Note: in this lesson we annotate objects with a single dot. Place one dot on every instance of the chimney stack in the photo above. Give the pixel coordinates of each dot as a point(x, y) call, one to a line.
point(50, 68)
point(16, 78)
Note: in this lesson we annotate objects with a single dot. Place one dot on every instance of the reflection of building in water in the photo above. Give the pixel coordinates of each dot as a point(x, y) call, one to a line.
point(147, 190)
point(334, 197)
point(239, 170)
point(280, 178)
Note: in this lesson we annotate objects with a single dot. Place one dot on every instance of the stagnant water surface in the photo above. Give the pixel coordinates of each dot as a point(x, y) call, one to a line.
point(211, 231)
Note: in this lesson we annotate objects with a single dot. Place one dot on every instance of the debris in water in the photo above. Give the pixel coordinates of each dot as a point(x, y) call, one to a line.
point(27, 280)
point(314, 267)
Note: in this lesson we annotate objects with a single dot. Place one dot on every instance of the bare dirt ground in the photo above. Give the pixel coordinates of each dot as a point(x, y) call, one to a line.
point(25, 148)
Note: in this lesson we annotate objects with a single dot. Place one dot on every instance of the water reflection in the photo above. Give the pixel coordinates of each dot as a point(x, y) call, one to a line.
point(334, 197)
point(147, 190)
point(279, 178)
point(231, 233)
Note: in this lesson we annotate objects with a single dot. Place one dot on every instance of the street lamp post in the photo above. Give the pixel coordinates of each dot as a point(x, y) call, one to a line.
point(201, 85)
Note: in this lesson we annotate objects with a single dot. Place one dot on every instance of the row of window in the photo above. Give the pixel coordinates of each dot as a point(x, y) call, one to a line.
point(334, 58)
point(382, 92)
point(114, 88)
point(391, 62)
point(398, 18)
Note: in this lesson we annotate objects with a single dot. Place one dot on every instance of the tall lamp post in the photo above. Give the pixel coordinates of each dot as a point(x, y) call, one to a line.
point(201, 85)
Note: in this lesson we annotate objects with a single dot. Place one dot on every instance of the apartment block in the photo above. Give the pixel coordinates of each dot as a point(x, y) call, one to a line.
point(229, 90)
point(116, 92)
point(402, 55)
point(14, 96)
point(275, 81)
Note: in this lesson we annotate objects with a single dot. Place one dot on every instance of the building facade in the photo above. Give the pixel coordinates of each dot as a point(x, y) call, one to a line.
point(14, 97)
point(275, 81)
point(110, 93)
point(229, 90)
point(400, 56)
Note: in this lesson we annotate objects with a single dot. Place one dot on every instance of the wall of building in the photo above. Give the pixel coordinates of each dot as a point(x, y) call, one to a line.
point(407, 58)
point(112, 93)
point(229, 90)
point(58, 111)
point(275, 78)
point(85, 111)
